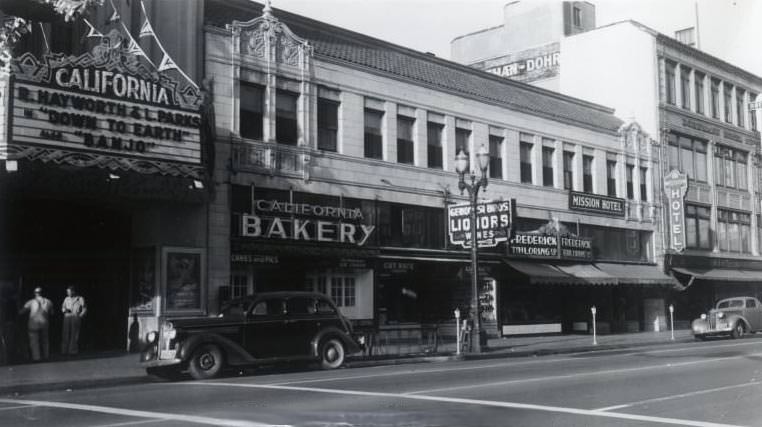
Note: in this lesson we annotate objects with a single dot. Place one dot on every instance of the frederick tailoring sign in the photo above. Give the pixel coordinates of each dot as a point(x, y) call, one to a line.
point(595, 203)
point(105, 102)
point(548, 243)
point(279, 220)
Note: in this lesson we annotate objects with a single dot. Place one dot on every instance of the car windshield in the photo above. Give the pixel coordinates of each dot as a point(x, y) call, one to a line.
point(234, 309)
point(734, 303)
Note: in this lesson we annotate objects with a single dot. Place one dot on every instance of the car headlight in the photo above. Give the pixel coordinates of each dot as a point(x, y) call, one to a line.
point(720, 315)
point(703, 316)
point(361, 339)
point(151, 337)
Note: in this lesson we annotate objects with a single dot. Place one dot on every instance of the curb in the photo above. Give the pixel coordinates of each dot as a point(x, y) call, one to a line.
point(15, 390)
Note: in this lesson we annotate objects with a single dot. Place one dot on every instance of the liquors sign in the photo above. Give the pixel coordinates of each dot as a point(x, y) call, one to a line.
point(493, 222)
point(675, 187)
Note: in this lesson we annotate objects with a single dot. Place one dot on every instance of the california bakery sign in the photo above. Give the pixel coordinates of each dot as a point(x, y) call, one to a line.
point(278, 220)
point(110, 107)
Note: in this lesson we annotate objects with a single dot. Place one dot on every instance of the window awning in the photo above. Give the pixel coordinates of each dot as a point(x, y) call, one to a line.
point(589, 273)
point(540, 273)
point(634, 274)
point(721, 274)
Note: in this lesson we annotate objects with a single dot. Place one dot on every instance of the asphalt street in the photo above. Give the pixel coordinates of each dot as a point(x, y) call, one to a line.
point(716, 383)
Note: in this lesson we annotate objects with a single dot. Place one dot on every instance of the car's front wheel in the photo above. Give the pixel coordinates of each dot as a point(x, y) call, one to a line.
point(331, 353)
point(207, 362)
point(738, 330)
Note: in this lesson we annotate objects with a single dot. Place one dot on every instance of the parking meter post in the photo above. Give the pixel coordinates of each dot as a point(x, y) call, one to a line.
point(672, 321)
point(595, 338)
point(457, 331)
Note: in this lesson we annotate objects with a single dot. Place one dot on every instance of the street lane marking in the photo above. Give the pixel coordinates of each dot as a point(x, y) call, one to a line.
point(492, 403)
point(678, 396)
point(505, 364)
point(131, 423)
point(5, 408)
point(139, 414)
point(580, 374)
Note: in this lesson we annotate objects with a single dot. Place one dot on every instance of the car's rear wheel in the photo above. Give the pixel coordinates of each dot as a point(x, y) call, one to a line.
point(207, 362)
point(331, 353)
point(738, 330)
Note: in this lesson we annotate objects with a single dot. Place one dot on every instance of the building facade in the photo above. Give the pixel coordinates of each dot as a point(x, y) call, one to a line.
point(698, 107)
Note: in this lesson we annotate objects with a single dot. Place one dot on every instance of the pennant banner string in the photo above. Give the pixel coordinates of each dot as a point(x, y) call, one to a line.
point(166, 61)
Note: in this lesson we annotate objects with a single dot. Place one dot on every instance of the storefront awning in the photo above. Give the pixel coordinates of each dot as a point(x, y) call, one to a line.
point(721, 274)
point(588, 273)
point(638, 274)
point(541, 273)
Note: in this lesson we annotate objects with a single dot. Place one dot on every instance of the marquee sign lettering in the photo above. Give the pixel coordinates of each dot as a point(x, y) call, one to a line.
point(277, 220)
point(675, 187)
point(106, 103)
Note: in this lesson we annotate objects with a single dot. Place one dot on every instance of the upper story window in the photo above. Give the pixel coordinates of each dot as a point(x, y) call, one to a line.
point(285, 117)
point(727, 97)
point(687, 155)
point(525, 157)
point(328, 124)
point(374, 147)
point(669, 82)
point(251, 111)
point(734, 231)
point(587, 174)
point(434, 144)
point(715, 98)
point(577, 16)
point(698, 80)
point(461, 140)
point(752, 114)
point(697, 227)
point(547, 166)
point(611, 177)
point(643, 184)
point(495, 157)
point(740, 107)
point(405, 150)
point(630, 185)
point(568, 170)
point(730, 167)
point(685, 88)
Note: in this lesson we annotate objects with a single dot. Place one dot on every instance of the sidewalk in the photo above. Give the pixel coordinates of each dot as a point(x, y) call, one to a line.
point(121, 368)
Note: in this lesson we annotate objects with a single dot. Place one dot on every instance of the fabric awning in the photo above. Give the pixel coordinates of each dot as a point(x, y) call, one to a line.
point(721, 274)
point(635, 274)
point(588, 273)
point(540, 273)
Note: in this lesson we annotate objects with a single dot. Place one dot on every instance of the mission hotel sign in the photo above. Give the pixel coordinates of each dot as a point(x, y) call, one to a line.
point(105, 103)
point(596, 203)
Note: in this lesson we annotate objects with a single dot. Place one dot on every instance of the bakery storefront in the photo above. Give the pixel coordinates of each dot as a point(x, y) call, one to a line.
point(558, 270)
point(102, 186)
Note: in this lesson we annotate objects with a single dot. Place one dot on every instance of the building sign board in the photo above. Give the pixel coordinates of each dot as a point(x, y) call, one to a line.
point(596, 203)
point(493, 222)
point(279, 220)
point(675, 187)
point(550, 243)
point(526, 66)
point(105, 103)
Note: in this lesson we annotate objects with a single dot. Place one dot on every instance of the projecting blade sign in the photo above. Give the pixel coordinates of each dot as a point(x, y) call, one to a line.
point(493, 222)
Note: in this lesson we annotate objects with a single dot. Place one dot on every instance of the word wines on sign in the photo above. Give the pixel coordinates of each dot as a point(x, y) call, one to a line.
point(493, 222)
point(596, 203)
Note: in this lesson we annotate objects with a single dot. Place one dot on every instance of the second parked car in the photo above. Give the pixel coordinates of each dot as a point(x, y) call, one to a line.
point(265, 328)
point(732, 317)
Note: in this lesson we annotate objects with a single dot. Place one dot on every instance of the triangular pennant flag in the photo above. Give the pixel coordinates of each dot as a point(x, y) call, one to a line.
point(114, 17)
point(92, 32)
point(146, 29)
point(167, 63)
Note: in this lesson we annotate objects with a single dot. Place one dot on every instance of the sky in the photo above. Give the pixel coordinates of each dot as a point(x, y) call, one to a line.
point(729, 29)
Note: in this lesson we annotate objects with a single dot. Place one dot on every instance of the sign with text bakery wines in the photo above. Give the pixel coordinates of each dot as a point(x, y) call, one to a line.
point(675, 187)
point(493, 222)
point(108, 101)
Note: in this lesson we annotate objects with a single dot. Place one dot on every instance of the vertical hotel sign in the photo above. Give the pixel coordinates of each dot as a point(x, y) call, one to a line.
point(675, 187)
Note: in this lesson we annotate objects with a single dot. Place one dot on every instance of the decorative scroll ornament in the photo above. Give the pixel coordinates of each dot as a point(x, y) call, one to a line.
point(266, 38)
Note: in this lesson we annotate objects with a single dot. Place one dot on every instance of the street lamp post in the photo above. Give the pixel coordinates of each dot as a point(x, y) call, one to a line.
point(462, 167)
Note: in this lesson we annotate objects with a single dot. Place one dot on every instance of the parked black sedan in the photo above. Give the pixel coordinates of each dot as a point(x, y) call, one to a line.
point(261, 329)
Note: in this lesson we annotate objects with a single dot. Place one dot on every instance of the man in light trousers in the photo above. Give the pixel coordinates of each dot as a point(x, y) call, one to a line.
point(73, 309)
point(39, 309)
